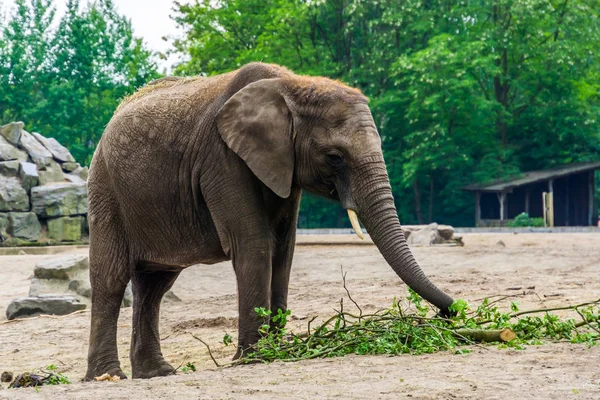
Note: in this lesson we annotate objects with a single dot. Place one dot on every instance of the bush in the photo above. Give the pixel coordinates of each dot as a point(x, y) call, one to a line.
point(523, 220)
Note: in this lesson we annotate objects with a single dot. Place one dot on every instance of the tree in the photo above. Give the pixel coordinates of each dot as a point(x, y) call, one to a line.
point(67, 82)
point(461, 91)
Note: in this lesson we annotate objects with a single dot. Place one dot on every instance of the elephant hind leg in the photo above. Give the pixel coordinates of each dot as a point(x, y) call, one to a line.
point(109, 275)
point(146, 357)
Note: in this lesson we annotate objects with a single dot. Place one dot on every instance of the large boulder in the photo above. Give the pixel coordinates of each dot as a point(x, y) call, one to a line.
point(12, 132)
point(4, 227)
point(9, 168)
point(47, 305)
point(61, 199)
point(51, 173)
point(65, 229)
point(25, 226)
point(66, 267)
point(67, 275)
point(28, 173)
point(38, 153)
point(70, 166)
point(58, 151)
point(426, 236)
point(12, 195)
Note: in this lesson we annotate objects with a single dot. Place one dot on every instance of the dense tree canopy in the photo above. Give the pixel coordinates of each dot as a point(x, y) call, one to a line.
point(462, 91)
point(65, 77)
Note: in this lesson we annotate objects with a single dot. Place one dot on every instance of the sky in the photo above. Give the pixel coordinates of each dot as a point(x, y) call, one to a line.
point(150, 20)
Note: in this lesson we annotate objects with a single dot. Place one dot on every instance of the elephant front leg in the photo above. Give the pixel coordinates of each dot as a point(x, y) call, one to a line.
point(254, 283)
point(285, 229)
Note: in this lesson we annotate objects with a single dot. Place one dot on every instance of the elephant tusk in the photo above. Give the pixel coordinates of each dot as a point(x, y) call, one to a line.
point(355, 224)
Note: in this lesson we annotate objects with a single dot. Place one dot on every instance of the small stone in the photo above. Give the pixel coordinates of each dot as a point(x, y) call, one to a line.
point(48, 304)
point(38, 153)
point(65, 229)
point(70, 166)
point(6, 377)
point(28, 173)
point(9, 168)
point(51, 173)
point(63, 268)
point(12, 132)
point(59, 199)
point(24, 225)
point(58, 151)
point(12, 195)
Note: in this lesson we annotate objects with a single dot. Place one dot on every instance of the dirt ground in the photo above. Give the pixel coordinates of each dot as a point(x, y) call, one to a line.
point(563, 268)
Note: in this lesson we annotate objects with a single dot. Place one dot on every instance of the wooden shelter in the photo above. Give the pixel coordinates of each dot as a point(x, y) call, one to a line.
point(563, 196)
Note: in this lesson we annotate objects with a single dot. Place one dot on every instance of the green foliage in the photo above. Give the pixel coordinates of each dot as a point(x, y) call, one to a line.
point(188, 367)
point(523, 220)
point(54, 377)
point(407, 329)
point(64, 78)
point(462, 92)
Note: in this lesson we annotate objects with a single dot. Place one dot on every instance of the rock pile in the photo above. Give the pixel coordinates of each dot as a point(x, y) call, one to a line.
point(427, 235)
point(61, 286)
point(43, 191)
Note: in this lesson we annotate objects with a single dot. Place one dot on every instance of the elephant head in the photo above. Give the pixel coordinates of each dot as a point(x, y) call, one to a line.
point(320, 135)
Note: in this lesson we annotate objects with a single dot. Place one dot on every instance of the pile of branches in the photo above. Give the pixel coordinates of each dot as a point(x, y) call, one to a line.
point(408, 327)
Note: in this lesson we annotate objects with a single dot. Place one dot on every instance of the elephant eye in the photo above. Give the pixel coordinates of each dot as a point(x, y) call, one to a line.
point(335, 160)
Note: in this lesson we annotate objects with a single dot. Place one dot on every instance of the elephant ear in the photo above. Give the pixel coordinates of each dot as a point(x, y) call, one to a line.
point(256, 123)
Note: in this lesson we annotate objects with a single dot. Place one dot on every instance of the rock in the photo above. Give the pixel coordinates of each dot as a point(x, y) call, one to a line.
point(65, 229)
point(81, 287)
point(58, 151)
point(51, 173)
point(425, 236)
point(63, 268)
point(9, 152)
point(4, 236)
point(28, 173)
point(60, 199)
point(6, 377)
point(9, 168)
point(38, 153)
point(73, 178)
point(128, 297)
point(70, 166)
point(12, 195)
point(171, 297)
point(81, 172)
point(48, 304)
point(446, 231)
point(24, 225)
point(12, 132)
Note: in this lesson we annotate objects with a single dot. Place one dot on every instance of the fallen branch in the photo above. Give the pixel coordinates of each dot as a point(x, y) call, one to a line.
point(484, 335)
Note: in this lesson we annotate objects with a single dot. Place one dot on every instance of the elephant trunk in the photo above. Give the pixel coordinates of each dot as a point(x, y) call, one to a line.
point(373, 197)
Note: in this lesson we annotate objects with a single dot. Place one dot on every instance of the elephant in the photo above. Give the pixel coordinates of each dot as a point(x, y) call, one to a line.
point(202, 170)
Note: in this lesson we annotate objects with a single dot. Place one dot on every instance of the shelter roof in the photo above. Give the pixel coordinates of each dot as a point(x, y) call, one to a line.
point(533, 177)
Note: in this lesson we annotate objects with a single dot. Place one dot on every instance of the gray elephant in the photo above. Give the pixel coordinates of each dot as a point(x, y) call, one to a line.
point(203, 170)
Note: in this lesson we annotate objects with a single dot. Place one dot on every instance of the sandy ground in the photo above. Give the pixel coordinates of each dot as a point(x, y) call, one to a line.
point(563, 268)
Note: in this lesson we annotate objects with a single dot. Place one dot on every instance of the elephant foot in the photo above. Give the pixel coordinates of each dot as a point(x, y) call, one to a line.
point(152, 370)
point(94, 372)
point(243, 353)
